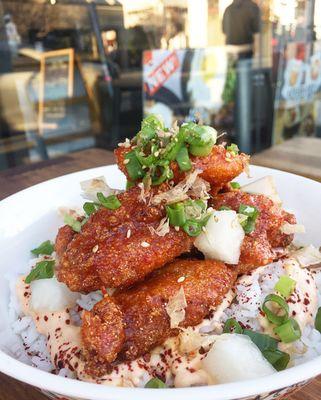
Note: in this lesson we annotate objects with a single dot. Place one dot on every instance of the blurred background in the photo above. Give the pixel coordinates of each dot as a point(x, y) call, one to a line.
point(77, 74)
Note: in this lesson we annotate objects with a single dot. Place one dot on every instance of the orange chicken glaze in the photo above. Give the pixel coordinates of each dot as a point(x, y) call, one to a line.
point(134, 321)
point(218, 168)
point(116, 248)
point(266, 243)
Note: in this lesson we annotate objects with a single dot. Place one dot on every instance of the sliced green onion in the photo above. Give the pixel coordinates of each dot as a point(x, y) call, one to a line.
point(174, 146)
point(249, 211)
point(233, 148)
point(129, 184)
point(133, 166)
point(252, 213)
point(147, 160)
point(194, 209)
point(162, 173)
point(46, 248)
point(146, 135)
point(42, 270)
point(317, 322)
point(288, 332)
point(231, 325)
point(225, 208)
point(72, 222)
point(200, 151)
point(90, 208)
point(273, 317)
point(152, 121)
point(155, 383)
point(176, 214)
point(262, 341)
point(277, 358)
point(199, 135)
point(183, 160)
point(235, 185)
point(111, 202)
point(285, 286)
point(192, 228)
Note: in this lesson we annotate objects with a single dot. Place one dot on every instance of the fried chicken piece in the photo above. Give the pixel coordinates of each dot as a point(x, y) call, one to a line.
point(116, 247)
point(266, 243)
point(134, 321)
point(64, 237)
point(218, 168)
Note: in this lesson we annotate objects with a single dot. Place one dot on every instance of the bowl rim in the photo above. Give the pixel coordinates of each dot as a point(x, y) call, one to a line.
point(86, 390)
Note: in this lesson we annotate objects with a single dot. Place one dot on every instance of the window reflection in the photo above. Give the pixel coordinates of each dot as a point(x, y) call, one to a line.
point(77, 74)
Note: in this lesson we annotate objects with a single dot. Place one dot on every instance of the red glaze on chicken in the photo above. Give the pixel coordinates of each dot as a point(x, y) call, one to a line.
point(134, 321)
point(117, 248)
point(218, 168)
point(266, 243)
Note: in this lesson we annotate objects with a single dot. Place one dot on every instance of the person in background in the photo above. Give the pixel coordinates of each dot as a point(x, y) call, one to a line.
point(14, 39)
point(241, 21)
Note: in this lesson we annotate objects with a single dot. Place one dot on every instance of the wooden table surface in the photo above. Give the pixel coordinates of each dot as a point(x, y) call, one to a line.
point(301, 156)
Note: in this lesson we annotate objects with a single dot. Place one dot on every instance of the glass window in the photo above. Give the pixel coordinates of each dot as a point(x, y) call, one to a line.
point(77, 74)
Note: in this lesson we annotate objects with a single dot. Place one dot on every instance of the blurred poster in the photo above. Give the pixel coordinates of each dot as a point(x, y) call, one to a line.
point(299, 91)
point(185, 84)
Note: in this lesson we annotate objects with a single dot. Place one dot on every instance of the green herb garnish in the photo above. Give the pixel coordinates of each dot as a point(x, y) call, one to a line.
point(183, 160)
point(42, 270)
point(232, 326)
point(317, 322)
point(235, 185)
point(111, 202)
point(288, 332)
point(46, 248)
point(90, 208)
point(233, 148)
point(277, 358)
point(281, 305)
point(251, 213)
point(72, 222)
point(285, 286)
point(155, 383)
point(155, 147)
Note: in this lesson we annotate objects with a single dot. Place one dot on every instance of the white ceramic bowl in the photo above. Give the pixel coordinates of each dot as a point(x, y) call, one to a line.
point(30, 216)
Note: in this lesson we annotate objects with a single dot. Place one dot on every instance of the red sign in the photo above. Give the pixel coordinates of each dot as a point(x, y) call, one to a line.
point(157, 78)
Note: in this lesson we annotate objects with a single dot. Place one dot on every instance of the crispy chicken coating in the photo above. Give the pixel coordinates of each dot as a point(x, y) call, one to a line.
point(266, 243)
point(117, 247)
point(218, 168)
point(134, 321)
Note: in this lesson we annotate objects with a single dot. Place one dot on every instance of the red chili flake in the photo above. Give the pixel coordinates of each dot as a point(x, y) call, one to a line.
point(45, 318)
point(147, 357)
point(60, 364)
point(103, 291)
point(67, 321)
point(293, 313)
point(25, 294)
point(76, 364)
point(37, 318)
point(306, 302)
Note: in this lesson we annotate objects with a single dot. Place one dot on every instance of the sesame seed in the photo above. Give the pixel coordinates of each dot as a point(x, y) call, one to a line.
point(95, 249)
point(126, 161)
point(156, 154)
point(129, 232)
point(176, 228)
point(145, 244)
point(181, 279)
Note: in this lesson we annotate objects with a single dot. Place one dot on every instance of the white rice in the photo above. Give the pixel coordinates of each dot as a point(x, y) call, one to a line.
point(24, 343)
